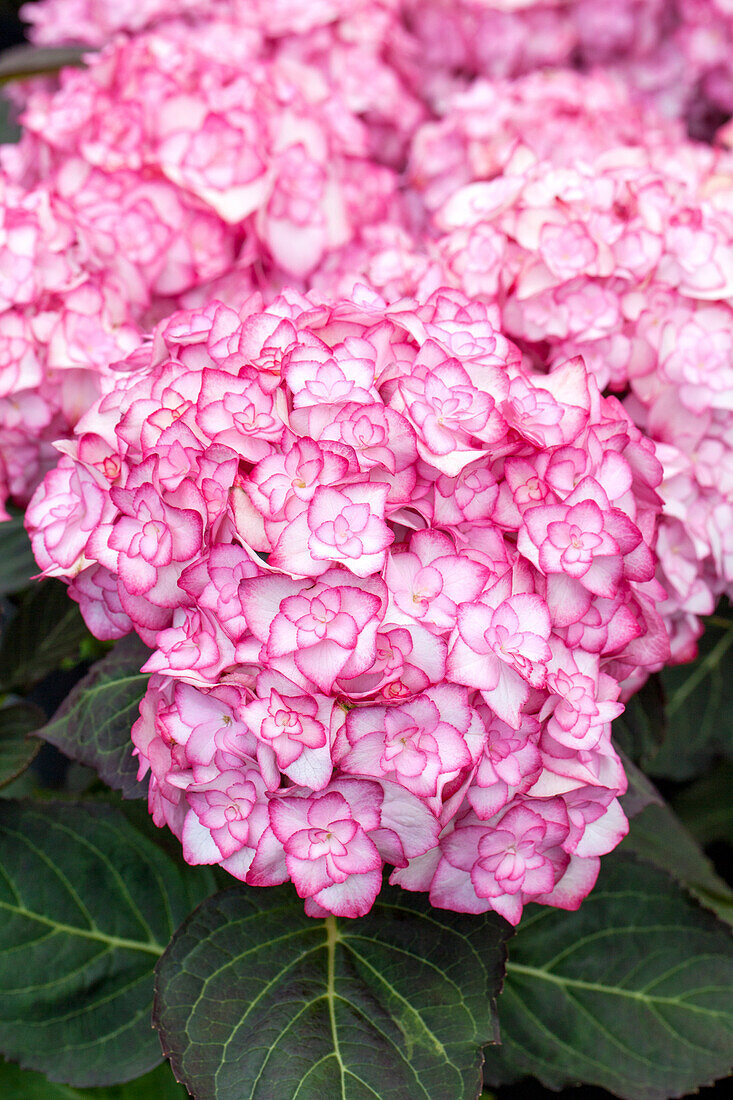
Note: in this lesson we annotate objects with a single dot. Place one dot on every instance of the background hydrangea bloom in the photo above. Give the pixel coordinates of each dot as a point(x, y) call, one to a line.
point(673, 54)
point(606, 238)
point(226, 154)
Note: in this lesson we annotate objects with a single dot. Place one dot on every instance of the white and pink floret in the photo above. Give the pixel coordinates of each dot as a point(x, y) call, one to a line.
point(392, 581)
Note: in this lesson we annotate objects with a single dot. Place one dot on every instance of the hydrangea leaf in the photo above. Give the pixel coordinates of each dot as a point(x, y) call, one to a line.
point(93, 723)
point(640, 730)
point(254, 999)
point(16, 750)
point(633, 992)
point(88, 905)
point(641, 792)
point(698, 706)
point(17, 564)
point(24, 1084)
point(659, 837)
point(21, 62)
point(9, 132)
point(46, 631)
point(706, 807)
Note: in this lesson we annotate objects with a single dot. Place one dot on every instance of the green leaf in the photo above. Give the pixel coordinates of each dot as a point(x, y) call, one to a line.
point(209, 879)
point(698, 709)
point(17, 752)
point(9, 129)
point(641, 729)
point(706, 807)
point(633, 992)
point(20, 62)
point(659, 837)
point(17, 564)
point(641, 791)
point(24, 1084)
point(93, 723)
point(25, 786)
point(46, 632)
point(87, 906)
point(256, 1000)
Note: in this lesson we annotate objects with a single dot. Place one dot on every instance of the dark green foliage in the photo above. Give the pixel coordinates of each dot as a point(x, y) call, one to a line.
point(46, 632)
point(659, 837)
point(17, 751)
point(256, 1000)
point(17, 564)
point(93, 723)
point(634, 992)
point(706, 807)
point(20, 62)
point(87, 906)
point(681, 722)
point(24, 1084)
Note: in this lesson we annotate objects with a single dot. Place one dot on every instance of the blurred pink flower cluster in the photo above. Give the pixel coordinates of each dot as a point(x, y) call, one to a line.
point(391, 580)
point(63, 309)
point(619, 251)
point(94, 22)
point(675, 54)
point(202, 151)
point(361, 48)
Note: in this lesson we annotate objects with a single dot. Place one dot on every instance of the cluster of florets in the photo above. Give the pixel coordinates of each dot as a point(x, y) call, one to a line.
point(465, 39)
point(74, 285)
point(583, 245)
point(391, 581)
point(353, 45)
point(95, 22)
point(264, 143)
point(86, 260)
point(396, 572)
point(696, 67)
point(220, 154)
point(674, 54)
point(621, 255)
point(391, 257)
point(559, 115)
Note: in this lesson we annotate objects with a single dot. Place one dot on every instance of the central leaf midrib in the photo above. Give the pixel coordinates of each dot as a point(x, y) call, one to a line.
point(332, 938)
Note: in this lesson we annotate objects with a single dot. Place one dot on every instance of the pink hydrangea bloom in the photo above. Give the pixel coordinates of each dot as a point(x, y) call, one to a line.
point(674, 54)
point(504, 38)
point(64, 316)
point(93, 22)
point(559, 114)
point(212, 149)
point(391, 579)
point(609, 241)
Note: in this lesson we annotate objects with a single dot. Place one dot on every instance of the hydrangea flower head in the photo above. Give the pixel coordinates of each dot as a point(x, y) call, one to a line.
point(388, 623)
